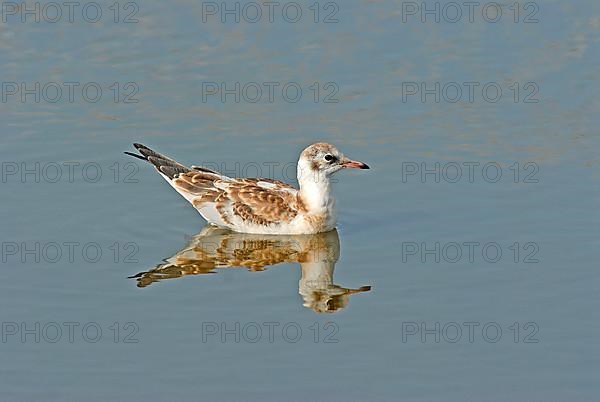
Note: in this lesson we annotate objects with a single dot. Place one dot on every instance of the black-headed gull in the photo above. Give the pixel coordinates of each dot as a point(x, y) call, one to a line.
point(262, 206)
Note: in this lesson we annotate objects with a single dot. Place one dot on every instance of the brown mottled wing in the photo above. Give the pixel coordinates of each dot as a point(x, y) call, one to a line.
point(199, 184)
point(254, 201)
point(261, 201)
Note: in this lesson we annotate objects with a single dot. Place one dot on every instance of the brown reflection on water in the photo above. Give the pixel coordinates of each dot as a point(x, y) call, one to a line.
point(213, 249)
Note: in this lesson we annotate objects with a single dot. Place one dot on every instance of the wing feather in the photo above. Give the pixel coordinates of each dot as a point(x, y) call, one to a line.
point(227, 201)
point(254, 203)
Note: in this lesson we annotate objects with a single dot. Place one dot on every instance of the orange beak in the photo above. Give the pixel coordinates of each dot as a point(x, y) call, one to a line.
point(350, 164)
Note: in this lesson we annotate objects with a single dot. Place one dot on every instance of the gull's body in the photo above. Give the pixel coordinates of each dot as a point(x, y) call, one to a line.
point(261, 206)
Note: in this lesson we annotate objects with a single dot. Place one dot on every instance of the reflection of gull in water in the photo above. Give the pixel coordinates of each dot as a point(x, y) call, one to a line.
point(215, 248)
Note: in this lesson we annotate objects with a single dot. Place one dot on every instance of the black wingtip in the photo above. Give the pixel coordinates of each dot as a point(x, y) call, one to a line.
point(135, 155)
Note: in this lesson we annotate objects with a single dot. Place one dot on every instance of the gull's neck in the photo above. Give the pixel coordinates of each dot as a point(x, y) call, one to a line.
point(315, 190)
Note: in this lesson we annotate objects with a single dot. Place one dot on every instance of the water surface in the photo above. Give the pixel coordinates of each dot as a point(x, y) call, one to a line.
point(399, 232)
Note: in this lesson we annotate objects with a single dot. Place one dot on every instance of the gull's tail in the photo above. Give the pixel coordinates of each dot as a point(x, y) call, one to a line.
point(163, 164)
point(195, 184)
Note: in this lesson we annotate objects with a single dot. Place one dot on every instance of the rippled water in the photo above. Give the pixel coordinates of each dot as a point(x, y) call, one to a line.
point(464, 264)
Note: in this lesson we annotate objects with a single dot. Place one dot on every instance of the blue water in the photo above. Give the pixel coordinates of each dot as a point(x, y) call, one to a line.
point(451, 259)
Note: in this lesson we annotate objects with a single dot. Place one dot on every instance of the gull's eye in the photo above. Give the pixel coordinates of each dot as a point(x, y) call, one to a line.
point(329, 158)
